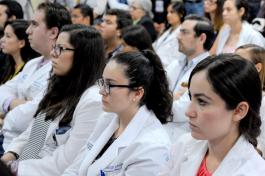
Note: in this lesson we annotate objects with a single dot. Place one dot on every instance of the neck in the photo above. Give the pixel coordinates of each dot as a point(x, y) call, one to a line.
point(218, 148)
point(212, 16)
point(195, 54)
point(46, 53)
point(174, 26)
point(236, 28)
point(111, 44)
point(17, 58)
point(124, 119)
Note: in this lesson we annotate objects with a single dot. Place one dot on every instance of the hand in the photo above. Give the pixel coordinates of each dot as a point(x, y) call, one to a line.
point(8, 157)
point(2, 116)
point(15, 102)
point(179, 93)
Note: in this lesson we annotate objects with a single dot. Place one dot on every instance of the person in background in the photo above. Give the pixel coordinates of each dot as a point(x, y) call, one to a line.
point(119, 4)
point(256, 54)
point(167, 46)
point(110, 28)
point(98, 6)
point(82, 14)
point(135, 38)
point(213, 10)
point(15, 45)
point(236, 31)
point(194, 7)
point(195, 39)
point(9, 10)
point(69, 109)
point(254, 7)
point(159, 9)
point(224, 121)
point(21, 95)
point(141, 12)
point(134, 87)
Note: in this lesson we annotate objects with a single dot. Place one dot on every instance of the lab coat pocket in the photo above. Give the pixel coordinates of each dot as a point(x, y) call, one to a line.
point(62, 134)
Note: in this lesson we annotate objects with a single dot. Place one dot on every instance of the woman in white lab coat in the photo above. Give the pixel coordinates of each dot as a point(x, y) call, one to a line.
point(167, 45)
point(68, 111)
point(256, 54)
point(236, 31)
point(135, 88)
point(225, 93)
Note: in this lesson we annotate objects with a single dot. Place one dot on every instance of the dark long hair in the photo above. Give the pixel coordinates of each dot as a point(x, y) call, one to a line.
point(144, 69)
point(64, 92)
point(218, 19)
point(137, 36)
point(27, 53)
point(235, 80)
point(178, 8)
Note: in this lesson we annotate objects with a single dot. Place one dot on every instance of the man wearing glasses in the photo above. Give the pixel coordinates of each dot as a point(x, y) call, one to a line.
point(20, 96)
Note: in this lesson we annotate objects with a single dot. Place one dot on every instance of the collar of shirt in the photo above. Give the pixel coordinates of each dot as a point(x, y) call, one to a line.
point(42, 62)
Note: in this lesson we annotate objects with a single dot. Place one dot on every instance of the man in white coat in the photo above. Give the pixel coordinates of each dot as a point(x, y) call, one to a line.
point(195, 39)
point(20, 96)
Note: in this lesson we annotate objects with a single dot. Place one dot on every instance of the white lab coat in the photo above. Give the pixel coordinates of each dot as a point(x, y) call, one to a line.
point(167, 47)
point(248, 35)
point(56, 158)
point(140, 150)
point(188, 153)
point(30, 85)
point(261, 139)
point(99, 6)
point(180, 125)
point(115, 4)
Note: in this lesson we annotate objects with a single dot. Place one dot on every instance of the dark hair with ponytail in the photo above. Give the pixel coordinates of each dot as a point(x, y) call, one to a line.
point(144, 69)
point(235, 80)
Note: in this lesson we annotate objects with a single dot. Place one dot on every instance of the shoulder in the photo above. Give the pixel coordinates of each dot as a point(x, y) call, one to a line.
point(91, 95)
point(153, 133)
point(173, 66)
point(251, 162)
point(187, 141)
point(250, 30)
point(33, 62)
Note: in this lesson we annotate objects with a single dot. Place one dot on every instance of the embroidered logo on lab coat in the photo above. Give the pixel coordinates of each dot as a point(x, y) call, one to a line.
point(89, 146)
point(112, 170)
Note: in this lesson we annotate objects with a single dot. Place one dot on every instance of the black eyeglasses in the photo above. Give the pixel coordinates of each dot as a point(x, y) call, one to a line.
point(58, 49)
point(106, 86)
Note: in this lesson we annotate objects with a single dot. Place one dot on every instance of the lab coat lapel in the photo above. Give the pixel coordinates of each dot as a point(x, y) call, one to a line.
point(234, 158)
point(94, 148)
point(45, 69)
point(129, 134)
point(192, 159)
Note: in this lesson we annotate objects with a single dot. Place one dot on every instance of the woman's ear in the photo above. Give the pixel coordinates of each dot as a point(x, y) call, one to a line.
point(258, 67)
point(21, 43)
point(240, 111)
point(139, 93)
point(242, 11)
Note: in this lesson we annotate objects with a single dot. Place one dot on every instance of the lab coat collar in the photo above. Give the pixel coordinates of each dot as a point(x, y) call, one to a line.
point(192, 159)
point(235, 157)
point(130, 133)
point(194, 155)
